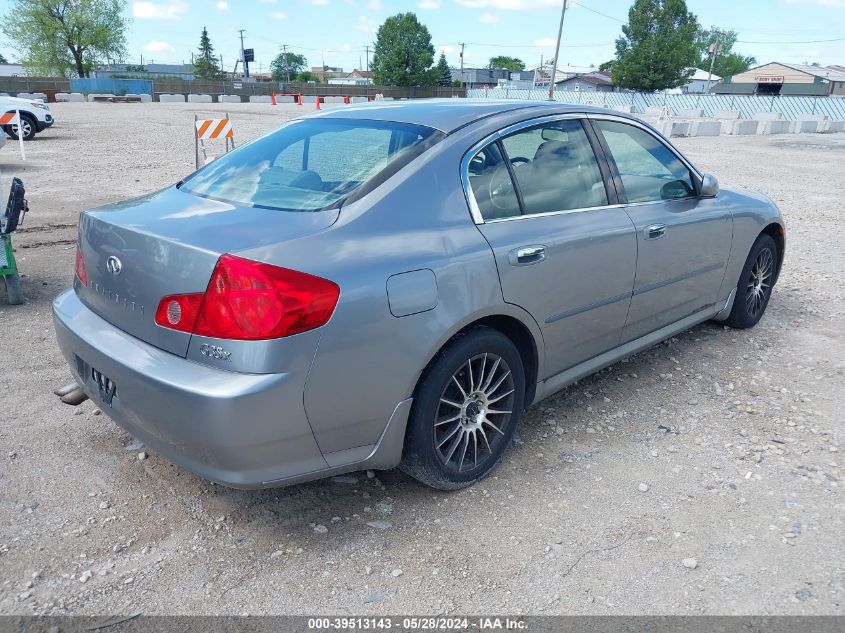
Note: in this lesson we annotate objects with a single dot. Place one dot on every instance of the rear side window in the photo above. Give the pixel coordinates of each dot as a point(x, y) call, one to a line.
point(649, 170)
point(311, 165)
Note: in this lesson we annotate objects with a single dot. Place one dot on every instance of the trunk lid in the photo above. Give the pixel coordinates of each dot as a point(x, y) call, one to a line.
point(138, 251)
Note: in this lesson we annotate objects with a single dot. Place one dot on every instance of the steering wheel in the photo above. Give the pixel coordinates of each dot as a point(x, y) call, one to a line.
point(501, 188)
point(520, 160)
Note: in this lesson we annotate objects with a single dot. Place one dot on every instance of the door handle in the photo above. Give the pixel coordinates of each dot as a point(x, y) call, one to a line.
point(655, 231)
point(527, 255)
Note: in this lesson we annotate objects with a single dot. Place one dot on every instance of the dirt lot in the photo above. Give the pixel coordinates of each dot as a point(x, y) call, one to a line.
point(718, 445)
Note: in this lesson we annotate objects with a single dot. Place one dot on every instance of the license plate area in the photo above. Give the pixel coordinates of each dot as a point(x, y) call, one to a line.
point(106, 387)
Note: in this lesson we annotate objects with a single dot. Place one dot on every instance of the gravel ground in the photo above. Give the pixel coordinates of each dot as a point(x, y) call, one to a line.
point(718, 445)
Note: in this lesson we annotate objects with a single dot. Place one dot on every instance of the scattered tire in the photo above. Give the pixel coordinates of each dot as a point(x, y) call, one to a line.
point(466, 407)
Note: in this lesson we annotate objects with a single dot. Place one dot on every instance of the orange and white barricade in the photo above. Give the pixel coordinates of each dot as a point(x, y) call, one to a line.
point(14, 118)
point(212, 129)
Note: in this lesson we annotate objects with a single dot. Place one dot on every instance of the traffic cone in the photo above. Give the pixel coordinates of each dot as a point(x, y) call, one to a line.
point(273, 95)
point(318, 102)
point(299, 98)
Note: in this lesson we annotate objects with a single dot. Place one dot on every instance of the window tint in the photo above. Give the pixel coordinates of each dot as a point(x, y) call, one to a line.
point(311, 165)
point(555, 168)
point(492, 185)
point(649, 170)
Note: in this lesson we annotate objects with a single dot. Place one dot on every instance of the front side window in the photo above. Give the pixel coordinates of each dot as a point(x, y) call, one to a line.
point(555, 168)
point(311, 165)
point(649, 170)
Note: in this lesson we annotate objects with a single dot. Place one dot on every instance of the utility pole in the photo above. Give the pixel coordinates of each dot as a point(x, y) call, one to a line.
point(462, 64)
point(287, 65)
point(246, 67)
point(557, 52)
point(367, 50)
point(714, 51)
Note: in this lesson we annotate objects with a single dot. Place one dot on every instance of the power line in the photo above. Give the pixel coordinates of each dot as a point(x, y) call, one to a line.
point(605, 15)
point(539, 45)
point(836, 39)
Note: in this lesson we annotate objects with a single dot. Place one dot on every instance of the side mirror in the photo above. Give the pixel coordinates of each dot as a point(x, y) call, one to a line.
point(709, 186)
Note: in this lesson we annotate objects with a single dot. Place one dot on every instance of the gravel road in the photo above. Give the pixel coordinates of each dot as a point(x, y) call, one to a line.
point(703, 476)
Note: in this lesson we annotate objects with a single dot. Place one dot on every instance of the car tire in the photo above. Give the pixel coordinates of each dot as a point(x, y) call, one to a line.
point(755, 284)
point(14, 292)
point(466, 407)
point(30, 126)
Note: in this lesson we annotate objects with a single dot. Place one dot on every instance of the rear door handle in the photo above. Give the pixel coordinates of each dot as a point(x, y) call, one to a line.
point(655, 231)
point(527, 255)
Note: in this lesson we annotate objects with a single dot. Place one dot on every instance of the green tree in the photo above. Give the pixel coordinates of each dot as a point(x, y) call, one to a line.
point(287, 65)
point(66, 37)
point(305, 76)
point(3, 59)
point(206, 64)
point(444, 74)
point(503, 62)
point(728, 62)
point(657, 49)
point(403, 53)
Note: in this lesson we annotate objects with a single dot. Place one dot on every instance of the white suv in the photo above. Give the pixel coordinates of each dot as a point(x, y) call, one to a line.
point(35, 116)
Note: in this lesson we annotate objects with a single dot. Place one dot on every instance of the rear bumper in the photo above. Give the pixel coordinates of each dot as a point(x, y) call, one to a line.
point(241, 430)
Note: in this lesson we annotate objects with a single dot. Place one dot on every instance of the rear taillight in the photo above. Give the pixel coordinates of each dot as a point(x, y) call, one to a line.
point(247, 300)
point(80, 266)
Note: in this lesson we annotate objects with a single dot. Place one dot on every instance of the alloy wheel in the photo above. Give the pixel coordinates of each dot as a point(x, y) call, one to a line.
point(474, 411)
point(759, 282)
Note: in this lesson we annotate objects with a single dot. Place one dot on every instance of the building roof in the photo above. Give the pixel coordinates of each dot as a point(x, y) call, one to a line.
point(702, 75)
point(828, 73)
point(448, 115)
point(837, 67)
point(597, 79)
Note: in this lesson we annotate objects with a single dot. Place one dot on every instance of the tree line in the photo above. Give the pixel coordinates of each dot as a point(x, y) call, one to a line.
point(659, 46)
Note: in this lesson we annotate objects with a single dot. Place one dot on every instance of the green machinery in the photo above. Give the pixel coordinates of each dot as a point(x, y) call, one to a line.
point(16, 209)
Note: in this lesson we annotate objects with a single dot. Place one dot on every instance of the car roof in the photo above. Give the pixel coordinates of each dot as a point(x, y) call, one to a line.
point(448, 115)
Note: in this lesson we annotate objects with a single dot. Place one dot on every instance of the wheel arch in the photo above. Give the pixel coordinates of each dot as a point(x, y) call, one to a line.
point(777, 232)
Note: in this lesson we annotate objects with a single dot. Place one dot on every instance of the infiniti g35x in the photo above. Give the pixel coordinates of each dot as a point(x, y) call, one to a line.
point(392, 284)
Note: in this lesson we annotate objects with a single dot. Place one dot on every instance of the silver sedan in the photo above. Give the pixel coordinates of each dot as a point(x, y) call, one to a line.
point(393, 284)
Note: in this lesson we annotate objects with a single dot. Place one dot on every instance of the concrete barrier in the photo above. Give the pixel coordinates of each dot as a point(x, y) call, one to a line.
point(705, 128)
point(99, 96)
point(39, 95)
point(832, 127)
point(229, 99)
point(773, 127)
point(624, 108)
point(73, 97)
point(145, 98)
point(804, 126)
point(653, 111)
point(766, 116)
point(726, 115)
point(285, 99)
point(192, 98)
point(260, 99)
point(335, 100)
point(691, 113)
point(741, 127)
point(359, 99)
point(24, 95)
point(676, 128)
point(166, 98)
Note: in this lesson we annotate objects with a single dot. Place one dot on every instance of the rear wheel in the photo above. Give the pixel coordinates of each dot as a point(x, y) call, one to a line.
point(28, 128)
point(14, 292)
point(755, 284)
point(466, 408)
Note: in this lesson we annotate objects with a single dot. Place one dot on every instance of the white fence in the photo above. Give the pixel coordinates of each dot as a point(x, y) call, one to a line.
point(790, 108)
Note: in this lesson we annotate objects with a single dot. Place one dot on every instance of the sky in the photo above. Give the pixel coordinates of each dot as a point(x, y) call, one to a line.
point(336, 32)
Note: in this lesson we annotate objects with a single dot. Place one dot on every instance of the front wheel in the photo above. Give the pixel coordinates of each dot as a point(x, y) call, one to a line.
point(755, 284)
point(466, 408)
point(28, 128)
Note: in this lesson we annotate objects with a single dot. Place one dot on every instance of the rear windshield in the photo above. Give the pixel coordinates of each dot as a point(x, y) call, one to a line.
point(312, 164)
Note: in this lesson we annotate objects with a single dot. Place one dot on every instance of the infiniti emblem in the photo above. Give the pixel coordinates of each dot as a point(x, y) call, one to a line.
point(113, 265)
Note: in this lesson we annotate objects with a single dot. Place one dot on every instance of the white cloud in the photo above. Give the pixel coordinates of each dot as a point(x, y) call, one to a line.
point(222, 5)
point(489, 18)
point(512, 5)
point(429, 4)
point(320, 2)
point(445, 48)
point(158, 47)
point(545, 41)
point(278, 15)
point(173, 10)
point(268, 1)
point(366, 24)
point(375, 5)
